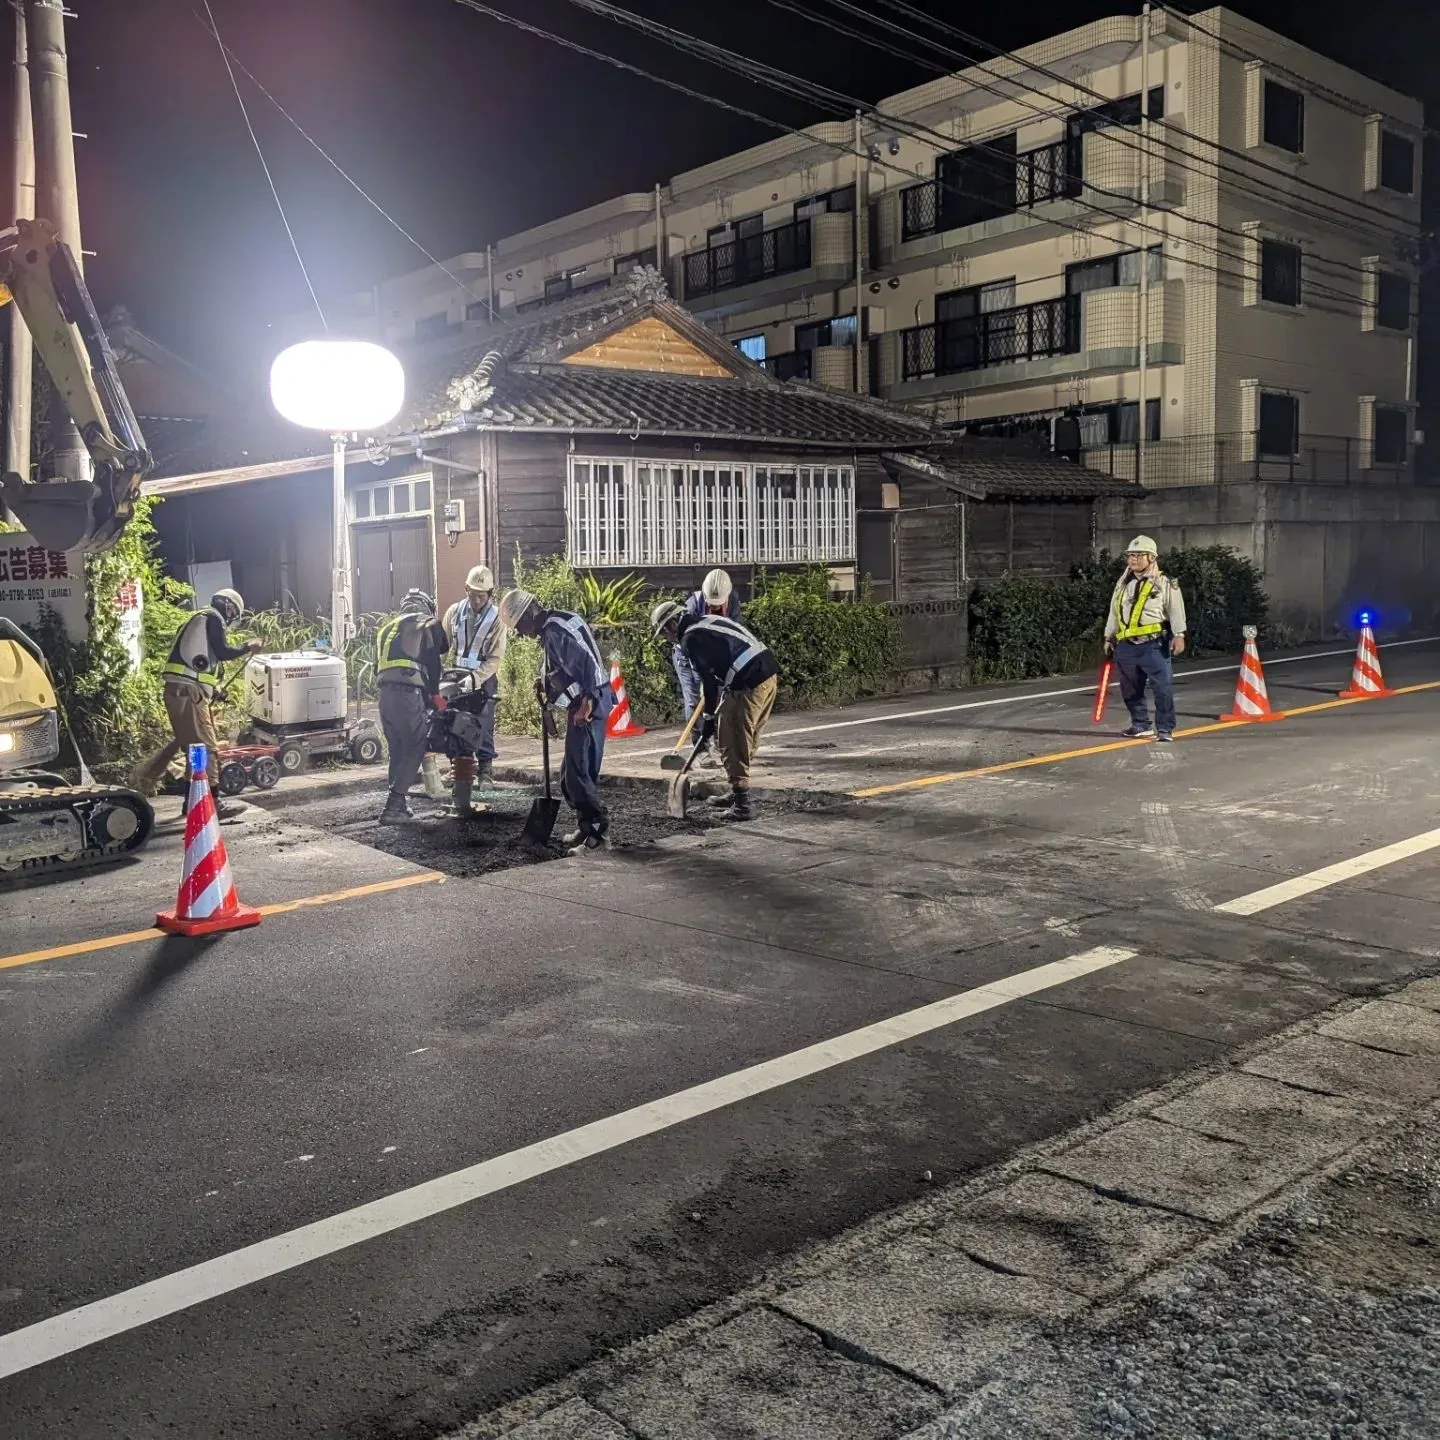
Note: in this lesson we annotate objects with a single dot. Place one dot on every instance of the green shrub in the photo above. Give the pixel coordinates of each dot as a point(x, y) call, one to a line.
point(1023, 629)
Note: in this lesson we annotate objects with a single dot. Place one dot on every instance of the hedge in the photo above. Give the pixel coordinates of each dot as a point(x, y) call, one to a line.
point(1024, 629)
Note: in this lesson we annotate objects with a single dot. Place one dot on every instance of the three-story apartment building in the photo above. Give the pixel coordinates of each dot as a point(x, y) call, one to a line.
point(1197, 214)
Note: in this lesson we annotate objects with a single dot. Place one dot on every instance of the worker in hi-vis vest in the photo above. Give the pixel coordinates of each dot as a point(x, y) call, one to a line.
point(192, 673)
point(477, 644)
point(1145, 627)
point(408, 650)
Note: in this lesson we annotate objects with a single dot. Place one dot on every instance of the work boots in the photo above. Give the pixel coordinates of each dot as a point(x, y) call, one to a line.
point(485, 774)
point(397, 810)
point(734, 806)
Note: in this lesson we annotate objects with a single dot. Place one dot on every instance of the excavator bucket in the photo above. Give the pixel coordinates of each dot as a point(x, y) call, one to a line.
point(77, 511)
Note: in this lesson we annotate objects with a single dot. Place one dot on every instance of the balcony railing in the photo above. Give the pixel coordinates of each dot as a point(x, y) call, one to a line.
point(1026, 332)
point(1040, 175)
point(742, 261)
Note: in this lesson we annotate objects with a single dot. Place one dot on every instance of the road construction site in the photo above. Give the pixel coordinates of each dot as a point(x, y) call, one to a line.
point(429, 1148)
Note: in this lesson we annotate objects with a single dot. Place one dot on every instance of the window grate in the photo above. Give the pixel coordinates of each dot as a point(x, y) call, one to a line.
point(653, 513)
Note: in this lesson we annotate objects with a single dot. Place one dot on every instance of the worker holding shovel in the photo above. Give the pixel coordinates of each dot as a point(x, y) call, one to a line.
point(574, 679)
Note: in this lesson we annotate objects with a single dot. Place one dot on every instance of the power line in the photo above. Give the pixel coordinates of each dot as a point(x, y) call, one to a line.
point(815, 93)
point(269, 179)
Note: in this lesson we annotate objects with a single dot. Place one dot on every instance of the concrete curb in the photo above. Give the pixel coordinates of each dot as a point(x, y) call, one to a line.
point(881, 1331)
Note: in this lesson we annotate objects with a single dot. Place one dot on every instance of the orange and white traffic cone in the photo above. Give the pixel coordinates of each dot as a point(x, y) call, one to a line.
point(621, 722)
point(1252, 700)
point(1366, 680)
point(207, 902)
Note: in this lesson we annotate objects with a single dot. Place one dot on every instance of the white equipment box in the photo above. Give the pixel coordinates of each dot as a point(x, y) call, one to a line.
point(305, 687)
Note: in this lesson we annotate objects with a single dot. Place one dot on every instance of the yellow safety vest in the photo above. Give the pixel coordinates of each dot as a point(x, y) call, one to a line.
point(1131, 626)
point(387, 657)
point(183, 650)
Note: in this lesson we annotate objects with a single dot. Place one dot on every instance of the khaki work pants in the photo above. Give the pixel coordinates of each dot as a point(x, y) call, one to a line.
point(738, 725)
point(191, 724)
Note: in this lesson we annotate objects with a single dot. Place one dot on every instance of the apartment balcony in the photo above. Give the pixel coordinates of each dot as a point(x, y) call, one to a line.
point(772, 267)
point(1070, 335)
point(830, 365)
point(913, 227)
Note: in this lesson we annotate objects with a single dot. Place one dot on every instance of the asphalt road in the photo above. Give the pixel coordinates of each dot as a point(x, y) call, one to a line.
point(171, 1102)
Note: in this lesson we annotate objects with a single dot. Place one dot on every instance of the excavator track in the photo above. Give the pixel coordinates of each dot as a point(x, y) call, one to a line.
point(100, 822)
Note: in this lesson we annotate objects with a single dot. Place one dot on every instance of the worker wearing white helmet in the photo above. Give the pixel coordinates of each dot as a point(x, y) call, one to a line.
point(1144, 628)
point(192, 673)
point(477, 643)
point(716, 596)
point(409, 648)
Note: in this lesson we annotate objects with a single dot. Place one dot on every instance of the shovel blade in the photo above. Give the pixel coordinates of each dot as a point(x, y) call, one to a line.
point(677, 796)
point(540, 823)
point(673, 761)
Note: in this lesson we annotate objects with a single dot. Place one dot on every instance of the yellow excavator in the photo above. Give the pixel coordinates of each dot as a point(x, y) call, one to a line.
point(47, 824)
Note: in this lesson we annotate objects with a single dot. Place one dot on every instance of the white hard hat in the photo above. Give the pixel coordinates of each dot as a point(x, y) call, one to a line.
point(1142, 545)
point(716, 588)
point(231, 598)
point(513, 604)
point(663, 614)
point(480, 578)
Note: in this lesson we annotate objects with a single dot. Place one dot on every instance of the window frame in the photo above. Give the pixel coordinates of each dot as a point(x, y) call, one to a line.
point(1273, 243)
point(1398, 139)
point(1395, 277)
point(741, 341)
point(1390, 414)
point(1293, 403)
point(1267, 85)
point(372, 489)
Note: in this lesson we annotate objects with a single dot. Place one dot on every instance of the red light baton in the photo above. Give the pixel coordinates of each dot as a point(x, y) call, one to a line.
point(1102, 692)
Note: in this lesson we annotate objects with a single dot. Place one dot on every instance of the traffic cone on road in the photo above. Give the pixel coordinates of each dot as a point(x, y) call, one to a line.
point(1366, 681)
point(207, 902)
point(621, 722)
point(1252, 700)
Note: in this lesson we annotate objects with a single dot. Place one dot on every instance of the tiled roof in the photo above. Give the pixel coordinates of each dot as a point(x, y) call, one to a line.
point(1001, 472)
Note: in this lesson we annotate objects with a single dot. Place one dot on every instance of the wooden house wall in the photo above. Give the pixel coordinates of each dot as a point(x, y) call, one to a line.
point(1034, 538)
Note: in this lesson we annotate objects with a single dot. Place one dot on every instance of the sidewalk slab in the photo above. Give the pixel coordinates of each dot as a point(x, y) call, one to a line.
point(925, 1309)
point(1424, 993)
point(1340, 1067)
point(1177, 1168)
point(574, 1420)
point(1064, 1233)
point(1402, 1029)
point(763, 1375)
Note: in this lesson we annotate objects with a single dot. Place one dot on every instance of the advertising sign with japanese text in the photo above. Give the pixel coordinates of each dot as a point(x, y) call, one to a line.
point(32, 578)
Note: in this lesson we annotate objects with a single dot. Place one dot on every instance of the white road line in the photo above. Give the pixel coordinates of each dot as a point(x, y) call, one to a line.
point(1293, 889)
point(773, 735)
point(101, 1319)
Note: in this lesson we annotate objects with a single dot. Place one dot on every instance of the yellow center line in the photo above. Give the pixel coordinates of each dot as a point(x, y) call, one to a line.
point(1054, 758)
point(135, 937)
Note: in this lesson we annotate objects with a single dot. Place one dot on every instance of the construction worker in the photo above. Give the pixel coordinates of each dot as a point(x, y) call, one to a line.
point(409, 648)
point(476, 643)
point(191, 675)
point(574, 678)
point(738, 677)
point(716, 596)
point(1145, 627)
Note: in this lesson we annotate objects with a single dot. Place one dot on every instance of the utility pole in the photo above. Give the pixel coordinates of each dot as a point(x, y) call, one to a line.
point(1143, 317)
point(56, 196)
point(856, 221)
point(20, 370)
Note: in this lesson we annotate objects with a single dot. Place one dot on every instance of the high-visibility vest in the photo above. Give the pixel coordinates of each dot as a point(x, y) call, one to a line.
point(192, 643)
point(391, 661)
point(470, 632)
point(744, 646)
point(1130, 625)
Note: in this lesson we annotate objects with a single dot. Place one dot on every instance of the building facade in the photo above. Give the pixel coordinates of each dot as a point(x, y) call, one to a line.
point(973, 247)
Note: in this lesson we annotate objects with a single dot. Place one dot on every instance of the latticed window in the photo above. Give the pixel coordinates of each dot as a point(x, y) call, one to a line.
point(655, 512)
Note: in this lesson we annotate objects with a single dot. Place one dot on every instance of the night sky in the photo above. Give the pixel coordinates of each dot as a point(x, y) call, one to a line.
point(463, 129)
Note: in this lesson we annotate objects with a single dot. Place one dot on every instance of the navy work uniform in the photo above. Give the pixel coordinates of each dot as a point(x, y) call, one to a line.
point(573, 671)
point(408, 648)
point(1147, 613)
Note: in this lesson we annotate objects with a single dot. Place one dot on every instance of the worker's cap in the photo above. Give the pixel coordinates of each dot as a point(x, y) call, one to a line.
point(716, 588)
point(663, 614)
point(230, 600)
point(417, 602)
point(514, 604)
point(1142, 545)
point(480, 580)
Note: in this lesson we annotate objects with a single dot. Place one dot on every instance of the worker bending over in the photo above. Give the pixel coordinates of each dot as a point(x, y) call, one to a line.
point(1145, 627)
point(738, 677)
point(477, 643)
point(573, 678)
point(192, 673)
point(716, 596)
point(409, 648)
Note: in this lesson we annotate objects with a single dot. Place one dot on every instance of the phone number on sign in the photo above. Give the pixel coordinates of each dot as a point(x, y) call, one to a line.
point(35, 592)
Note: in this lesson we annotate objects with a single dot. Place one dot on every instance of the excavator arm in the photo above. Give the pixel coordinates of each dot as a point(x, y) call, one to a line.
point(39, 272)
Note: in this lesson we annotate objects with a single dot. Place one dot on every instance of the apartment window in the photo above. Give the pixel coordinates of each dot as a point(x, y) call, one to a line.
point(752, 347)
point(1126, 422)
point(1279, 425)
point(478, 310)
point(1392, 434)
point(1397, 163)
point(825, 333)
point(431, 327)
point(387, 499)
point(1283, 117)
point(1111, 270)
point(1130, 266)
point(841, 201)
point(557, 287)
point(731, 231)
point(655, 512)
point(976, 183)
point(1392, 301)
point(1279, 272)
point(624, 264)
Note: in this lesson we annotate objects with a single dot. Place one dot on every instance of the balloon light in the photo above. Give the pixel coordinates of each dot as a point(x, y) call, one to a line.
point(337, 385)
